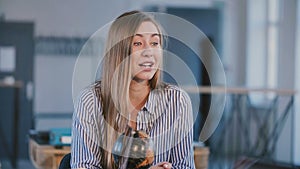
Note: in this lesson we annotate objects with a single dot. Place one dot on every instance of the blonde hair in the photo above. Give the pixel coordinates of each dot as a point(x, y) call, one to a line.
point(116, 77)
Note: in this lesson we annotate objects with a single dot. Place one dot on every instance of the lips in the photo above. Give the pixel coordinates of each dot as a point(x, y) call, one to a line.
point(146, 64)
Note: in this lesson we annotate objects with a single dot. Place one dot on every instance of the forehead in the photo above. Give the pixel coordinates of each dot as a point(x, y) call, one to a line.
point(147, 27)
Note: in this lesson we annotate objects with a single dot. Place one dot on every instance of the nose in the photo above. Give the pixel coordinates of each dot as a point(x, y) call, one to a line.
point(147, 51)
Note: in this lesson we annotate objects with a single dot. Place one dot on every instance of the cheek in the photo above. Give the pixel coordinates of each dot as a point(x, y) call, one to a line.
point(134, 62)
point(158, 57)
point(134, 57)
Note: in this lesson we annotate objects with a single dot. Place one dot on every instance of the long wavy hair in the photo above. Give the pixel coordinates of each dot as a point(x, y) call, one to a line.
point(116, 77)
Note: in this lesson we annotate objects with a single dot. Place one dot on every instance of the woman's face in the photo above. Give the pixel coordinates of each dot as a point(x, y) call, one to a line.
point(146, 52)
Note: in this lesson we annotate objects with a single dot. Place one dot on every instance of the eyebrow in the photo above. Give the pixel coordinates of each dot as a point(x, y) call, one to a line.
point(141, 35)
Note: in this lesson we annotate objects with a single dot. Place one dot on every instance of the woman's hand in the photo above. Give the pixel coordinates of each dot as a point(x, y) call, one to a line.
point(162, 165)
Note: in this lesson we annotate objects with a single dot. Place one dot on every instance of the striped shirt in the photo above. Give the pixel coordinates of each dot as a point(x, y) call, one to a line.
point(166, 117)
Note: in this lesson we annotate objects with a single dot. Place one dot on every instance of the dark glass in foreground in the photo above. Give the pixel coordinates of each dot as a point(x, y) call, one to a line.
point(133, 150)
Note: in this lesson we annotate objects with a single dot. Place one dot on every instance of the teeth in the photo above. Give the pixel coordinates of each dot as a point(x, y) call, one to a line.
point(146, 64)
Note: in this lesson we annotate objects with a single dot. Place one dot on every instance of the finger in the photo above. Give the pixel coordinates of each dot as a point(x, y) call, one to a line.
point(167, 165)
point(164, 165)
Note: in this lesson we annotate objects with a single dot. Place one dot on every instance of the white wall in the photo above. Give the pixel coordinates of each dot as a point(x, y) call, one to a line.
point(53, 90)
point(297, 87)
point(64, 18)
point(76, 17)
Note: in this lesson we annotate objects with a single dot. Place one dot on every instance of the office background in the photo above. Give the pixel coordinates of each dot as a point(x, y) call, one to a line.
point(257, 42)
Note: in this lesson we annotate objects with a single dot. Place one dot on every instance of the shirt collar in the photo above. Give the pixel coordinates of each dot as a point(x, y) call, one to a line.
point(150, 103)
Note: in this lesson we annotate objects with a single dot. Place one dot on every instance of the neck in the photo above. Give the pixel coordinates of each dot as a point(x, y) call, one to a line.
point(138, 93)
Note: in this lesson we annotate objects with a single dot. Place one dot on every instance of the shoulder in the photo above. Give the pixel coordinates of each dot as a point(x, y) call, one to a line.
point(173, 90)
point(88, 105)
point(89, 95)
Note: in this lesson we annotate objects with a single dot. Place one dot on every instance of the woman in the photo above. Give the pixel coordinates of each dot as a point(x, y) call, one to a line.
point(130, 94)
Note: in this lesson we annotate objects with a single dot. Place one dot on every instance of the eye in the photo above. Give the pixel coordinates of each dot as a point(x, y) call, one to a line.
point(154, 43)
point(137, 43)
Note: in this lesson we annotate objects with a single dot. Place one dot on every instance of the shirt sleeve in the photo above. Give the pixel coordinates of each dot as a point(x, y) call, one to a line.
point(182, 153)
point(85, 147)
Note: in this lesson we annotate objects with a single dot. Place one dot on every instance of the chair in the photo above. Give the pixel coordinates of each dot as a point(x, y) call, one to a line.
point(65, 162)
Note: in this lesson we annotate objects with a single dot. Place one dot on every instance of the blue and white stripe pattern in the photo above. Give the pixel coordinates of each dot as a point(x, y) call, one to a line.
point(166, 117)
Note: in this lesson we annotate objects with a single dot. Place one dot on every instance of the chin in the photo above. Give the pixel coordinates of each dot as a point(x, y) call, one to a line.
point(144, 77)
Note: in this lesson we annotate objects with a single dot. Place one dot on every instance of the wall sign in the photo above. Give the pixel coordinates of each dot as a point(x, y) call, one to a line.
point(7, 58)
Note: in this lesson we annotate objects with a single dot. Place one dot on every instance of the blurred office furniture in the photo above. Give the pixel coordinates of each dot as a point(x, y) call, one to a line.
point(43, 155)
point(17, 62)
point(247, 129)
point(15, 86)
point(201, 157)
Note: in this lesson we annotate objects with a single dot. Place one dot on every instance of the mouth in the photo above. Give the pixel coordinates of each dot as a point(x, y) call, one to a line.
point(146, 64)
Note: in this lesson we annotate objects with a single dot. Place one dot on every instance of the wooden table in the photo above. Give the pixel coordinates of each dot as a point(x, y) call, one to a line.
point(46, 156)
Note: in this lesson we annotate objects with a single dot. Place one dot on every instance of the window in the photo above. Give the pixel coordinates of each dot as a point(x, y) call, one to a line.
point(272, 43)
point(262, 46)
